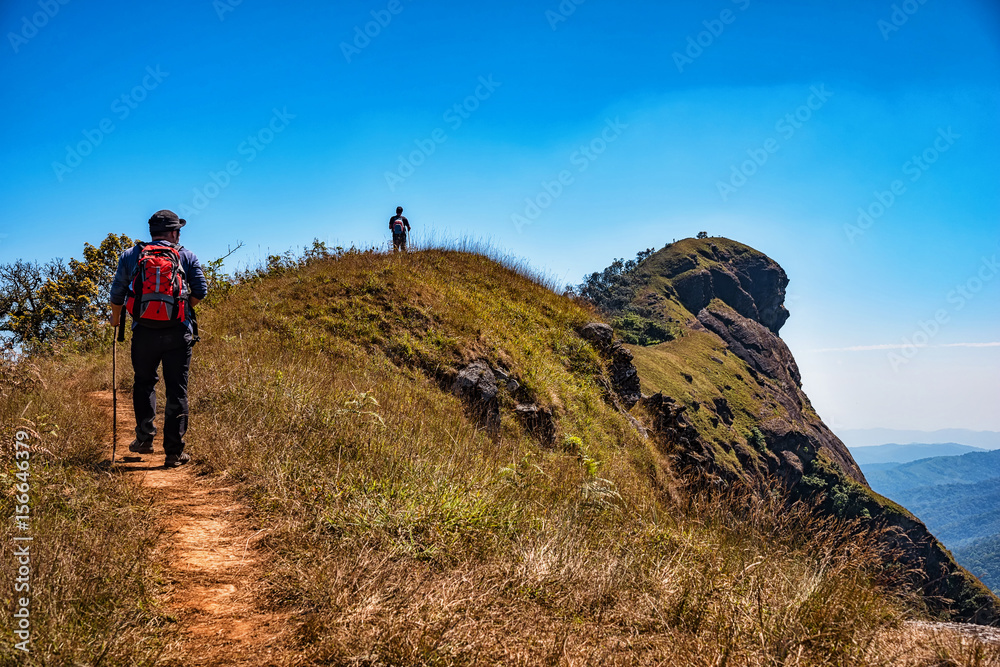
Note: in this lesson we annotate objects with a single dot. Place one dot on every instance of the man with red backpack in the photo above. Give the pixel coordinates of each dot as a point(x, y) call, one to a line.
point(159, 283)
point(399, 226)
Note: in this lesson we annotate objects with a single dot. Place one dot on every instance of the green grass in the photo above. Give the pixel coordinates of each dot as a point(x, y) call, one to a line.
point(714, 373)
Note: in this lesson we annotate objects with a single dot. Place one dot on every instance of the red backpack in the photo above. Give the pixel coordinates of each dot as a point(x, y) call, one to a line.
point(397, 226)
point(159, 287)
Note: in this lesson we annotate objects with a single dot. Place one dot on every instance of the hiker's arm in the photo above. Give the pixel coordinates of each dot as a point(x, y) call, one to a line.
point(196, 279)
point(119, 290)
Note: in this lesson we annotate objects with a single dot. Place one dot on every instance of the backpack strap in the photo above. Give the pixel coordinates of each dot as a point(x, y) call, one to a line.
point(136, 285)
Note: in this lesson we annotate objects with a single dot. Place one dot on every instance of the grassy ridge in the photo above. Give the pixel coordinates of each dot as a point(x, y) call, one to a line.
point(404, 534)
point(407, 534)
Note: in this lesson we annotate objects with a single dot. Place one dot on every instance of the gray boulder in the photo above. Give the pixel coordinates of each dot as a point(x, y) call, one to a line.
point(599, 334)
point(477, 386)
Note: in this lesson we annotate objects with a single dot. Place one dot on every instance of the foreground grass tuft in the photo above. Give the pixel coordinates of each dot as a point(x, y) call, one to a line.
point(93, 577)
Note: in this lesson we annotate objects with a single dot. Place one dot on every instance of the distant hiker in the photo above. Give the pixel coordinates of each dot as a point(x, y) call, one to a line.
point(159, 283)
point(399, 226)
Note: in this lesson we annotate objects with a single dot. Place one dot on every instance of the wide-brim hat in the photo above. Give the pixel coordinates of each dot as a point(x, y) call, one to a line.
point(165, 221)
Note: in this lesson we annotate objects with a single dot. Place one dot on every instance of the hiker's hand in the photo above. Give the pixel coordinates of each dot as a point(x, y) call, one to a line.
point(116, 315)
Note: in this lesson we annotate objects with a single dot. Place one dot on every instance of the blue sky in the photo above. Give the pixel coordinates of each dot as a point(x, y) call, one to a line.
point(274, 124)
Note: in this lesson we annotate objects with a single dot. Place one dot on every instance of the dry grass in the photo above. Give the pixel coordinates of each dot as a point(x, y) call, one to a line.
point(92, 576)
point(404, 535)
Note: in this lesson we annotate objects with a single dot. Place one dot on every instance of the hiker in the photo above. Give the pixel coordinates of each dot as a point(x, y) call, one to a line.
point(399, 226)
point(159, 283)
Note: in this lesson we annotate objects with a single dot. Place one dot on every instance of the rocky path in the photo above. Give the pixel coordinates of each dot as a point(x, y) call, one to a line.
point(984, 633)
point(211, 569)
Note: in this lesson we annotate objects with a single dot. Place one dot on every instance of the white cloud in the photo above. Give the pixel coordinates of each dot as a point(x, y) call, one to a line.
point(900, 346)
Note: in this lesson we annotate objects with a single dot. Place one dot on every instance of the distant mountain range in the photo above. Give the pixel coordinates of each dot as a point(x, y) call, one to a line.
point(957, 497)
point(932, 472)
point(868, 437)
point(893, 453)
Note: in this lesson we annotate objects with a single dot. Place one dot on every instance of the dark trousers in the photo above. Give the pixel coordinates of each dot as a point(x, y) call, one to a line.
point(172, 348)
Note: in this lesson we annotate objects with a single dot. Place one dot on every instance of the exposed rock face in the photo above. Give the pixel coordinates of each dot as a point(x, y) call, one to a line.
point(477, 386)
point(723, 410)
point(624, 376)
point(737, 294)
point(538, 421)
point(670, 423)
point(752, 342)
point(802, 435)
point(601, 335)
point(752, 284)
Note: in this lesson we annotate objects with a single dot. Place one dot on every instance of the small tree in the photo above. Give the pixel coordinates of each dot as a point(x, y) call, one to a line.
point(21, 311)
point(219, 282)
point(702, 235)
point(613, 288)
point(43, 304)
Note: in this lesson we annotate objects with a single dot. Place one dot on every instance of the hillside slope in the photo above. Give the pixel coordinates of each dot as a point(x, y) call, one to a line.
point(445, 462)
point(731, 403)
point(445, 467)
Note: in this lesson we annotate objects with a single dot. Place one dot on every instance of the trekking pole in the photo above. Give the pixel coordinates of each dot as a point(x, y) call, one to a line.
point(118, 335)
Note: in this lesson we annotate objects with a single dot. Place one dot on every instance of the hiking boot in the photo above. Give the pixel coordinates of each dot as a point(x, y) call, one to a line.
point(140, 447)
point(176, 460)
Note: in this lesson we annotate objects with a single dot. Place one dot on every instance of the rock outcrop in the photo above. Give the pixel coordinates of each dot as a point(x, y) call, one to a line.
point(749, 282)
point(537, 421)
point(730, 406)
point(624, 377)
point(477, 386)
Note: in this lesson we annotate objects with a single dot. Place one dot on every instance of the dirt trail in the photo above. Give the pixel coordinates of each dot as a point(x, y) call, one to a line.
point(212, 570)
point(984, 633)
